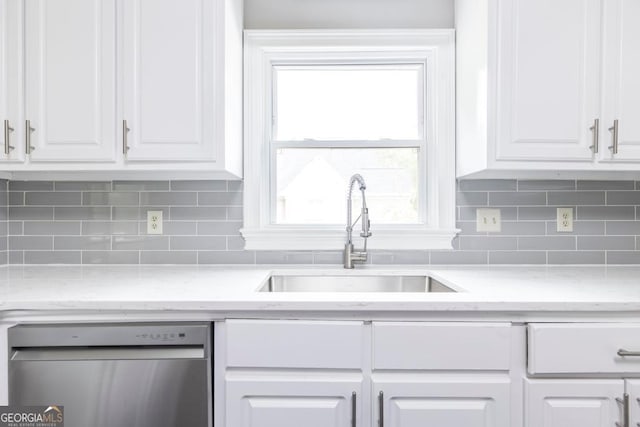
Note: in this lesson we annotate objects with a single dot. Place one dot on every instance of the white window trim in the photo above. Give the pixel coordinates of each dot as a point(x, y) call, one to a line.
point(435, 48)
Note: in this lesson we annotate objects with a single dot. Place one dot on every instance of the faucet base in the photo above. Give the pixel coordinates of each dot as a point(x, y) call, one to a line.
point(350, 257)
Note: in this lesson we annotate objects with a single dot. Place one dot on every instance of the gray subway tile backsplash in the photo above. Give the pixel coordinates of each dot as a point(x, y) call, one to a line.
point(50, 228)
point(44, 222)
point(168, 257)
point(616, 213)
point(31, 242)
point(82, 242)
point(537, 213)
point(52, 198)
point(488, 185)
point(52, 257)
point(574, 198)
point(576, 257)
point(199, 185)
point(549, 185)
point(623, 198)
point(114, 198)
point(517, 257)
point(623, 257)
point(227, 257)
point(546, 243)
point(203, 243)
point(110, 257)
point(606, 185)
point(606, 242)
point(524, 198)
point(81, 212)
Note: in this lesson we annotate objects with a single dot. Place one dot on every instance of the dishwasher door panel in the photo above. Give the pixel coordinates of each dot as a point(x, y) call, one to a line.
point(116, 393)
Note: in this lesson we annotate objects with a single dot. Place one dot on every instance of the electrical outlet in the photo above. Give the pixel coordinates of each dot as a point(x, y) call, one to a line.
point(154, 222)
point(488, 220)
point(565, 220)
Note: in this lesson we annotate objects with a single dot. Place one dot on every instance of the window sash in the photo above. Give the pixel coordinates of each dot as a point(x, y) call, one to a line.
point(387, 63)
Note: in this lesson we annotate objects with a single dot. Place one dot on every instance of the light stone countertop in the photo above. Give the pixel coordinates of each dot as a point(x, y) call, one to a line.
point(232, 289)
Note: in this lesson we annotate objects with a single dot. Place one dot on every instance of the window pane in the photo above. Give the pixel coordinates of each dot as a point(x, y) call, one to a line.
point(312, 184)
point(348, 102)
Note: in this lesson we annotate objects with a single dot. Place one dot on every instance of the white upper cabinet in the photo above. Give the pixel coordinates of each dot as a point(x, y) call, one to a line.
point(11, 111)
point(74, 74)
point(621, 81)
point(540, 82)
point(548, 68)
point(70, 84)
point(168, 59)
point(182, 83)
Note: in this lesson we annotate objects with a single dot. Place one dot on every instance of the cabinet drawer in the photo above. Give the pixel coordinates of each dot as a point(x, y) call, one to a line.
point(439, 346)
point(587, 348)
point(294, 344)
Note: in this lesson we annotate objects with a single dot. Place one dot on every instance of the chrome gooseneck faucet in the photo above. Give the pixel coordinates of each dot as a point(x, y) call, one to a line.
point(351, 257)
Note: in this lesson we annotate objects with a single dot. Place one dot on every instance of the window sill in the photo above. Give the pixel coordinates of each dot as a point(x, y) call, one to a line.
point(298, 238)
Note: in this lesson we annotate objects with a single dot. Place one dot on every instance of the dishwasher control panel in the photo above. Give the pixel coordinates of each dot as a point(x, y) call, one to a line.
point(113, 334)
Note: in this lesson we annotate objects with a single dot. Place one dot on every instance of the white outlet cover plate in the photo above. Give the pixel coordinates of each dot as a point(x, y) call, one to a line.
point(154, 222)
point(488, 220)
point(564, 220)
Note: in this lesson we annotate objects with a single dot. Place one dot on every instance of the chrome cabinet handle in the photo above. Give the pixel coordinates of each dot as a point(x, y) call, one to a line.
point(614, 130)
point(381, 409)
point(125, 131)
point(625, 410)
point(596, 132)
point(7, 133)
point(27, 137)
point(622, 353)
point(353, 409)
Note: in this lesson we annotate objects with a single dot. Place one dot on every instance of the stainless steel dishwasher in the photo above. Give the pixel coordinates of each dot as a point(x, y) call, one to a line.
point(115, 375)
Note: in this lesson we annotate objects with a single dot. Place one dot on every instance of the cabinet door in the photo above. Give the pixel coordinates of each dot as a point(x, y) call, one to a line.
point(169, 52)
point(443, 401)
point(573, 403)
point(548, 79)
point(300, 400)
point(11, 81)
point(622, 79)
point(70, 64)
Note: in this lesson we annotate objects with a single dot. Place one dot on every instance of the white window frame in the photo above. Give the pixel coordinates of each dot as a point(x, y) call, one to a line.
point(434, 49)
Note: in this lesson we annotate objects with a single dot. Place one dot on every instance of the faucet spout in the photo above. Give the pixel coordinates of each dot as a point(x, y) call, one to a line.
point(351, 256)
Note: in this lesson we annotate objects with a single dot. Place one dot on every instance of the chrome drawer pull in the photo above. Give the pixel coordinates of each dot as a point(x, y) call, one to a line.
point(381, 409)
point(596, 130)
point(625, 408)
point(7, 134)
point(623, 353)
point(353, 409)
point(27, 137)
point(125, 131)
point(614, 130)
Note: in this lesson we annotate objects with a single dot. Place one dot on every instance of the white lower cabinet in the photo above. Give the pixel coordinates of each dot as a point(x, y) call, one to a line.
point(443, 400)
point(294, 373)
point(284, 400)
point(574, 402)
point(589, 370)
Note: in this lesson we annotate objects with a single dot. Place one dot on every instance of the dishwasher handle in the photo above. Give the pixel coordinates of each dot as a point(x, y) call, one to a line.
point(107, 353)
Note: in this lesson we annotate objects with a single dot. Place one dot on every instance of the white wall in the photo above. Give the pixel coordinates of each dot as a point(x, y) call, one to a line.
point(281, 14)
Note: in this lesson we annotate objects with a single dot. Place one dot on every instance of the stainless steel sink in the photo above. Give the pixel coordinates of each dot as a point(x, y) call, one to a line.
point(353, 283)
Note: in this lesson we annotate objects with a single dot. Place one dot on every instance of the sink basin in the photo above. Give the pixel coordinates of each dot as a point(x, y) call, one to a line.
point(353, 283)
